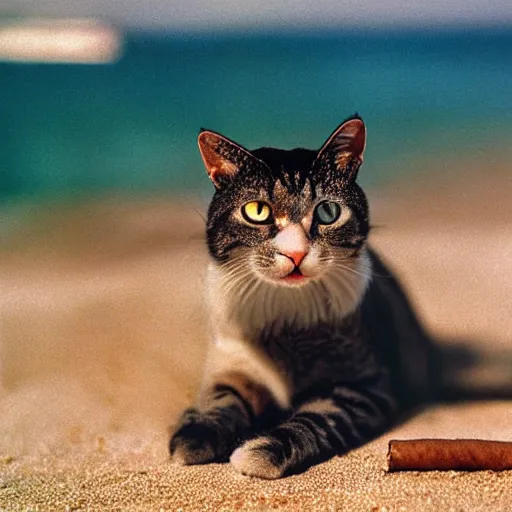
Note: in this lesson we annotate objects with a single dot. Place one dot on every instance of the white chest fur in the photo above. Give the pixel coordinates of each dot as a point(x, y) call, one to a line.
point(255, 304)
point(238, 316)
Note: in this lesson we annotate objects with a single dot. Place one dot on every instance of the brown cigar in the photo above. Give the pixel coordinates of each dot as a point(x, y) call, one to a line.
point(445, 454)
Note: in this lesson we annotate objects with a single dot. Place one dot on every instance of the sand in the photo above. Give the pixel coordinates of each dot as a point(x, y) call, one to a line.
point(103, 335)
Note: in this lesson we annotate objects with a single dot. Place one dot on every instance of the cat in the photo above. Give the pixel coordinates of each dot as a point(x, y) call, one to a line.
point(315, 347)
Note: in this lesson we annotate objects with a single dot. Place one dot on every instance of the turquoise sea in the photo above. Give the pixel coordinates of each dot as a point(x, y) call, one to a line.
point(132, 125)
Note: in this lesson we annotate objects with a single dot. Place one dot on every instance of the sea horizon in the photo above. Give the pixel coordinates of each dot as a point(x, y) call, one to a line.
point(132, 125)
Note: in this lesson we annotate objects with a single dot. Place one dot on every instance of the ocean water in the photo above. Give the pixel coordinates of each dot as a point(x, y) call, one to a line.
point(132, 125)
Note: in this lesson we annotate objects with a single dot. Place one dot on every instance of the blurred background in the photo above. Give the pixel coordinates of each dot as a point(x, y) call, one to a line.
point(103, 192)
point(428, 80)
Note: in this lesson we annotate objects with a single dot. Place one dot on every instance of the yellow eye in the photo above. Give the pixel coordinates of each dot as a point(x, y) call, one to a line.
point(257, 212)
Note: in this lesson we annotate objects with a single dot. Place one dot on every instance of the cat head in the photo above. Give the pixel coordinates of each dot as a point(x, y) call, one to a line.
point(291, 219)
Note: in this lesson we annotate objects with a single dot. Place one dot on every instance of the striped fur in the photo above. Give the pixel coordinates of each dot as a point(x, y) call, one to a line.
point(298, 372)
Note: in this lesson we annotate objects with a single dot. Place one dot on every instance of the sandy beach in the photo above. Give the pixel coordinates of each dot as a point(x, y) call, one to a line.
point(103, 336)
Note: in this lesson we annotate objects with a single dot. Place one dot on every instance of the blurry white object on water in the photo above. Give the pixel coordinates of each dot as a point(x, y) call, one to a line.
point(86, 41)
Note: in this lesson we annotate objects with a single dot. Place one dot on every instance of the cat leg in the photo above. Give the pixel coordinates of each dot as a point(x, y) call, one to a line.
point(226, 412)
point(320, 428)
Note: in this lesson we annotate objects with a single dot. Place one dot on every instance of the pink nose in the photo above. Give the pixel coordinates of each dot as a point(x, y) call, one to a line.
point(295, 256)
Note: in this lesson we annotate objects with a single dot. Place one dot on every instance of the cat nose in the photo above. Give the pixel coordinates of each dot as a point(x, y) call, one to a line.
point(292, 242)
point(295, 256)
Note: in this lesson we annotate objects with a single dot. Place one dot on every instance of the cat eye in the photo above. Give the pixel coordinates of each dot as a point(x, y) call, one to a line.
point(327, 212)
point(257, 212)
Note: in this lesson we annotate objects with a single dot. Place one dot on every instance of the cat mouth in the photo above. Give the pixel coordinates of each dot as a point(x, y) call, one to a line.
point(294, 275)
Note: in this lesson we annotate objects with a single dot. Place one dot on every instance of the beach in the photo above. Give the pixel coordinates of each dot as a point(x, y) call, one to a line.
point(103, 336)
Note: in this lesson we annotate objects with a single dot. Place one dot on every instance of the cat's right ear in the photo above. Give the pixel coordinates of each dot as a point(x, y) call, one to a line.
point(222, 157)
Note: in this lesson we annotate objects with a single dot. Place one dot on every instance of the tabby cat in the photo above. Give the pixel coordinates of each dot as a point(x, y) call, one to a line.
point(315, 348)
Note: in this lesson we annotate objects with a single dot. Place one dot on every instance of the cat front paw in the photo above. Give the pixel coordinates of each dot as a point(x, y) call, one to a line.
point(261, 457)
point(193, 442)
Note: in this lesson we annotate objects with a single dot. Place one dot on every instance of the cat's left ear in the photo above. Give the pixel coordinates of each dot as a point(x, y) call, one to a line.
point(222, 157)
point(344, 148)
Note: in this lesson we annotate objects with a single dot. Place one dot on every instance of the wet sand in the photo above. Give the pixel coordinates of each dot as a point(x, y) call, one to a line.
point(103, 334)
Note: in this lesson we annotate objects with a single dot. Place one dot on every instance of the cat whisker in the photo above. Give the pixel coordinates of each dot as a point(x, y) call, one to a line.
point(200, 215)
point(235, 272)
point(249, 290)
point(243, 291)
point(235, 278)
point(348, 285)
point(346, 267)
point(236, 285)
point(364, 263)
point(234, 265)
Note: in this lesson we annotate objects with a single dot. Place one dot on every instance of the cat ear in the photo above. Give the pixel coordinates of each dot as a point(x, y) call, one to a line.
point(222, 157)
point(345, 148)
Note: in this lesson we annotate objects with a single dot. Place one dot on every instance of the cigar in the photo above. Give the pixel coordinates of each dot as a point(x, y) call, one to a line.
point(446, 454)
